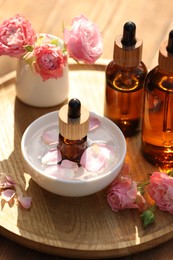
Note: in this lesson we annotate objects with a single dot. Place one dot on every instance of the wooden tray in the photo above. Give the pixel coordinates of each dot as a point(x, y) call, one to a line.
point(72, 227)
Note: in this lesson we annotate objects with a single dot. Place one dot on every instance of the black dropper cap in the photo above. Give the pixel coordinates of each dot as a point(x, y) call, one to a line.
point(74, 108)
point(129, 34)
point(169, 47)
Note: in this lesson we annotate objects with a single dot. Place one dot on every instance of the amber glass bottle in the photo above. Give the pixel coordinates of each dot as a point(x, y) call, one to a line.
point(157, 126)
point(73, 129)
point(125, 76)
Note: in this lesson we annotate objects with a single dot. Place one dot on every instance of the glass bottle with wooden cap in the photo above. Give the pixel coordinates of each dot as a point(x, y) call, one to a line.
point(157, 127)
point(73, 129)
point(125, 76)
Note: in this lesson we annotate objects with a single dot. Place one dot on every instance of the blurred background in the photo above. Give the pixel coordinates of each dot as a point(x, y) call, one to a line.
point(153, 19)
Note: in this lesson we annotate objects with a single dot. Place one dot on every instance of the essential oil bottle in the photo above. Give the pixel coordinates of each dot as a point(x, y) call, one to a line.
point(73, 129)
point(125, 76)
point(157, 126)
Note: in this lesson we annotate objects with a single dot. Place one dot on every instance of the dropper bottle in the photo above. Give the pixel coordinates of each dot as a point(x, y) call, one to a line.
point(73, 129)
point(125, 76)
point(157, 127)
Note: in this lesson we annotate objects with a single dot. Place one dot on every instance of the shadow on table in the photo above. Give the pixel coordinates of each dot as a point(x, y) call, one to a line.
point(15, 165)
point(55, 216)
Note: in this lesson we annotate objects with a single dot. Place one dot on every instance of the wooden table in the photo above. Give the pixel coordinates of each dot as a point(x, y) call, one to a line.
point(153, 20)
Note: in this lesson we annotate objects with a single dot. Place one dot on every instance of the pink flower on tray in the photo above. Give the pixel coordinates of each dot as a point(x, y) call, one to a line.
point(49, 61)
point(161, 190)
point(123, 194)
point(15, 34)
point(83, 41)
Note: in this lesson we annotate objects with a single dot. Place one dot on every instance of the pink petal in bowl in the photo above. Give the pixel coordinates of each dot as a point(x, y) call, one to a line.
point(50, 136)
point(69, 165)
point(96, 156)
point(94, 122)
point(53, 156)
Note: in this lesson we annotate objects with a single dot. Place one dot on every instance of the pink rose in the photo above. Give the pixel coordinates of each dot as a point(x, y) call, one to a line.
point(49, 61)
point(160, 189)
point(15, 34)
point(123, 194)
point(83, 41)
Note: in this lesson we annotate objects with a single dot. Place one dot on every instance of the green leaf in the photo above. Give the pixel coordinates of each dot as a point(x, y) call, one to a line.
point(141, 187)
point(55, 42)
point(148, 217)
point(29, 48)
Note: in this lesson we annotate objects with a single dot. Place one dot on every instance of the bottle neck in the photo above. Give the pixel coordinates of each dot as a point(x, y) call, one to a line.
point(128, 56)
point(72, 142)
point(165, 59)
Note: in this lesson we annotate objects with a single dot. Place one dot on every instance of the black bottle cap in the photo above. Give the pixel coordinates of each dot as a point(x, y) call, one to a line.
point(74, 108)
point(169, 47)
point(129, 34)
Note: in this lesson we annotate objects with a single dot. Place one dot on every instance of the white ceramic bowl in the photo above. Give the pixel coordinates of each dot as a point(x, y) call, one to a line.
point(33, 149)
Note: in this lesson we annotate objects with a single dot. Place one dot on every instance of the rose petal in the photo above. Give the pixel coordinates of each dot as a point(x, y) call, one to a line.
point(25, 201)
point(53, 156)
point(65, 174)
point(60, 172)
point(7, 194)
point(15, 34)
point(94, 122)
point(69, 165)
point(51, 170)
point(83, 40)
point(5, 185)
point(160, 190)
point(96, 156)
point(50, 136)
point(49, 61)
point(10, 179)
point(7, 182)
point(122, 195)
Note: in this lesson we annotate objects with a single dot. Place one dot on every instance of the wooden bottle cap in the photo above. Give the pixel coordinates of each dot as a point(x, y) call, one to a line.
point(165, 58)
point(127, 56)
point(73, 128)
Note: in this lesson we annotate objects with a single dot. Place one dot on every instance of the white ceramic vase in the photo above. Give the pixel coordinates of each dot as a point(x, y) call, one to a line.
point(33, 91)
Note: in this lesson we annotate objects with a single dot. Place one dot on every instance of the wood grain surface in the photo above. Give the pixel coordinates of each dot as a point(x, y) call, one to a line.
point(154, 21)
point(71, 227)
